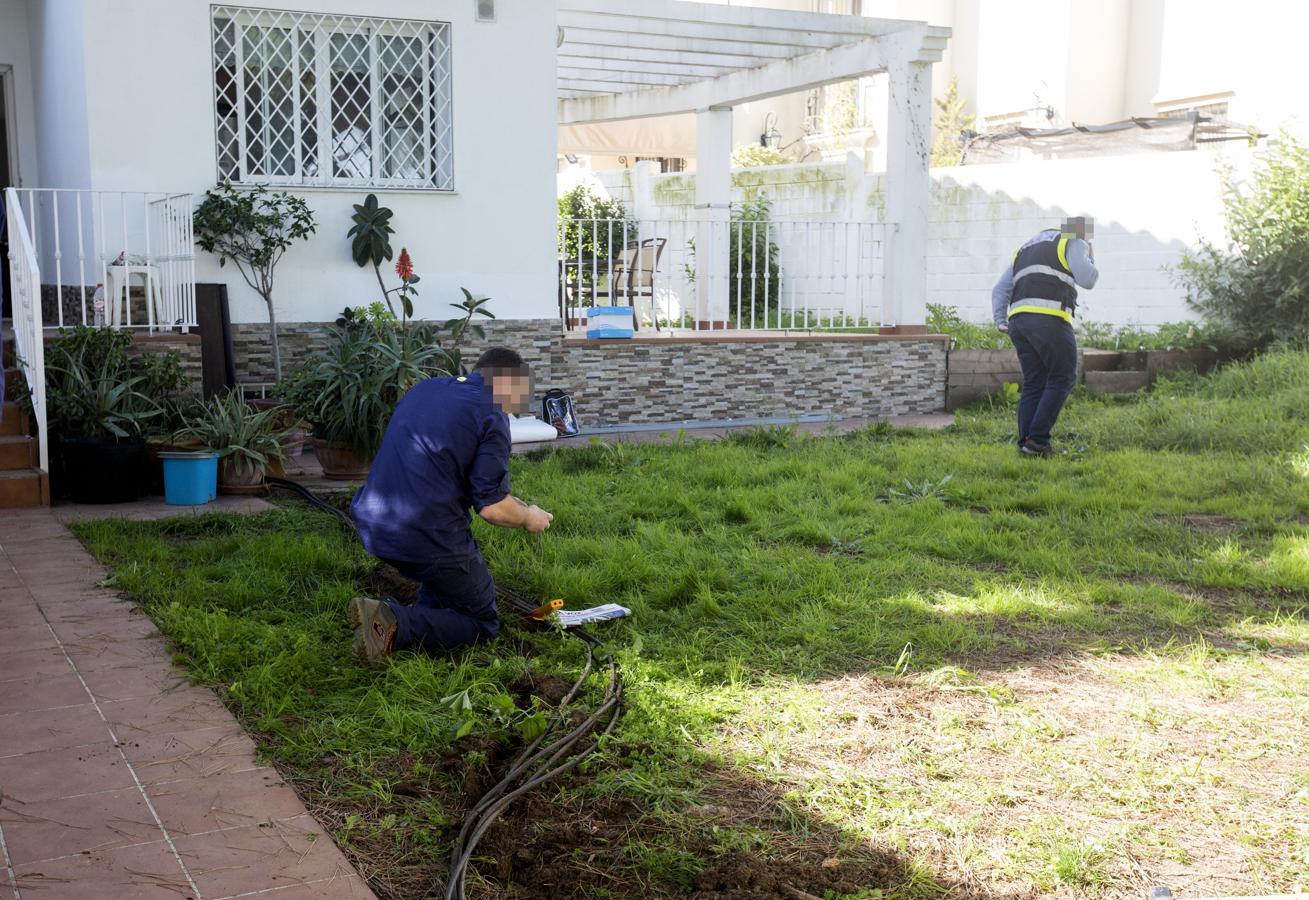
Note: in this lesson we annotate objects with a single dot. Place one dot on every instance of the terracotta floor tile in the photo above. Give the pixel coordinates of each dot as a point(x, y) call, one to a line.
point(56, 573)
point(197, 805)
point(41, 692)
point(210, 751)
point(286, 853)
point(32, 663)
point(47, 829)
point(142, 872)
point(185, 709)
point(22, 613)
point(64, 773)
point(50, 729)
point(85, 607)
point(25, 637)
point(145, 679)
point(89, 654)
point(113, 629)
point(341, 887)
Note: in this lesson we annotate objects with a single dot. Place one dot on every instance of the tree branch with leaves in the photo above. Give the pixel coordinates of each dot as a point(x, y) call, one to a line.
point(253, 228)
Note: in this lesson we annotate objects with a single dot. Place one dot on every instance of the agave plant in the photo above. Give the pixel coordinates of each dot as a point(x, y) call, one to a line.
point(249, 438)
point(348, 391)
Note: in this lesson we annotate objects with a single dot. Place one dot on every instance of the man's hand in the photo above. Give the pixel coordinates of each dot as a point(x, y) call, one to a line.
point(538, 520)
point(1003, 328)
point(514, 513)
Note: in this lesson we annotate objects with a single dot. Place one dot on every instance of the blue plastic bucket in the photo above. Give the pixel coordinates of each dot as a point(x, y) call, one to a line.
point(190, 479)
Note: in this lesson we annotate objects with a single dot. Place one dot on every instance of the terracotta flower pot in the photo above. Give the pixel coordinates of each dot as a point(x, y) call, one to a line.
point(293, 444)
point(340, 462)
point(239, 479)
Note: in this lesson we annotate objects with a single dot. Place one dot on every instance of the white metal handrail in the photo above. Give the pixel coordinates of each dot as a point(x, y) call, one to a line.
point(84, 238)
point(25, 299)
point(765, 275)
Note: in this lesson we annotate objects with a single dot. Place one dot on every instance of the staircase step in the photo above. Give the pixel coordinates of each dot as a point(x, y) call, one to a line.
point(13, 421)
point(24, 488)
point(17, 452)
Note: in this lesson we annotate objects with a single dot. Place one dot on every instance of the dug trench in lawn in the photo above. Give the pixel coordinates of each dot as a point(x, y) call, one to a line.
point(569, 736)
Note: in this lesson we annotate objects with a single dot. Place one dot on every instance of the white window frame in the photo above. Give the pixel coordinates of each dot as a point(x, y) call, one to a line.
point(435, 70)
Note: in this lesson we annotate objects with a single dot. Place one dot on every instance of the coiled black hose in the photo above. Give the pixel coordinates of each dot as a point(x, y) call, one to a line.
point(535, 764)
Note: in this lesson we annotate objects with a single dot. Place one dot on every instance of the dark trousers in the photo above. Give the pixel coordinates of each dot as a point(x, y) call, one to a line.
point(455, 608)
point(1047, 352)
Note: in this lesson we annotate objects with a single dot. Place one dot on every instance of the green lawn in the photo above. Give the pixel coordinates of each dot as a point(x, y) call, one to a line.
point(889, 664)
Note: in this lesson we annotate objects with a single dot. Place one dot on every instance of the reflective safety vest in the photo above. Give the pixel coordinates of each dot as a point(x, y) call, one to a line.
point(1043, 281)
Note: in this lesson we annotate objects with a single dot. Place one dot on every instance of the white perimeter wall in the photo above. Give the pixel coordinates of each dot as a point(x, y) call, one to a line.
point(1149, 209)
point(149, 126)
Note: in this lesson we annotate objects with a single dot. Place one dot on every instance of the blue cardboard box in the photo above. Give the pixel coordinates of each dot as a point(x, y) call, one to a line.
point(609, 322)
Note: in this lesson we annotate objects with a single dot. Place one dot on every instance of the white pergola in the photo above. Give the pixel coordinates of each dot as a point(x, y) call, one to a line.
point(633, 59)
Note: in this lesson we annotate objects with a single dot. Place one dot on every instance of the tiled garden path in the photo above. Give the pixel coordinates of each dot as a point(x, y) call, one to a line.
point(118, 779)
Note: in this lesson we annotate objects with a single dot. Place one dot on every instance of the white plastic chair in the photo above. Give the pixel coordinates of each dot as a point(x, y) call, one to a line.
point(119, 286)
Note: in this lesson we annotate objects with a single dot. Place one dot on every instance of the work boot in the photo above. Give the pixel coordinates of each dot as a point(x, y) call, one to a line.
point(1030, 447)
point(374, 624)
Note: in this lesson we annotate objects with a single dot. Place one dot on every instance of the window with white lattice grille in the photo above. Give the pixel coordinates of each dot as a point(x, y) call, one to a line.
point(310, 99)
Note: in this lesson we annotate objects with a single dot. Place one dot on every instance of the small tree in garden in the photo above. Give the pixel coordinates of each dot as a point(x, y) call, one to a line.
point(1258, 285)
point(253, 228)
point(950, 121)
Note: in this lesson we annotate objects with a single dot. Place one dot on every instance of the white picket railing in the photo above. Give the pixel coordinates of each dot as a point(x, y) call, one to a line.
point(124, 240)
point(25, 301)
point(775, 275)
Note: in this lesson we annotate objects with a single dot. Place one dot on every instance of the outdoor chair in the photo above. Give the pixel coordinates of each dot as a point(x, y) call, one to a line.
point(633, 275)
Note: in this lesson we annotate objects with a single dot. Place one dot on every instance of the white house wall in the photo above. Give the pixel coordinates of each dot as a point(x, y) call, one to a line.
point(60, 74)
point(150, 109)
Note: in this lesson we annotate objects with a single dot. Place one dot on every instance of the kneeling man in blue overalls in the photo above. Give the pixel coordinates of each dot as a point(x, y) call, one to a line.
point(445, 451)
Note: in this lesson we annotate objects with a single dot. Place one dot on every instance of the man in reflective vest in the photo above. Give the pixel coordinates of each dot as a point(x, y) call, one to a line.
point(1035, 301)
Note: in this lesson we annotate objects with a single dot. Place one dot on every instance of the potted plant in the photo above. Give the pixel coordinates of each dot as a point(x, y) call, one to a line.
point(102, 401)
point(348, 391)
point(246, 440)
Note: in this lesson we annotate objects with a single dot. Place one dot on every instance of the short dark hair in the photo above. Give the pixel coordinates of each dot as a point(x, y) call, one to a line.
point(501, 359)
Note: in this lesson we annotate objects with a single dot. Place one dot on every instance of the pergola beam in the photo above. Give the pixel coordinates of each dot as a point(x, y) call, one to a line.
point(655, 64)
point(593, 41)
point(569, 76)
point(808, 70)
point(732, 20)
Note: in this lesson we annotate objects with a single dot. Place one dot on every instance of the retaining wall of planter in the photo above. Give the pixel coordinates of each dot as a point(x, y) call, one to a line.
point(973, 374)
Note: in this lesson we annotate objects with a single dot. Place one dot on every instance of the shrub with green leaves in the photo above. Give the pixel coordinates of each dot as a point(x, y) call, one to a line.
point(1258, 285)
point(593, 229)
point(349, 390)
point(754, 283)
point(233, 429)
point(96, 387)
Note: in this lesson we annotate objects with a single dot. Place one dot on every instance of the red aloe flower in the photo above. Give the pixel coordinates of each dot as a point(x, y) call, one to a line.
point(404, 266)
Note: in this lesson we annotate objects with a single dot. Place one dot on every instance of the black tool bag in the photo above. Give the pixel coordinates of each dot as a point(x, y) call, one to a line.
point(557, 409)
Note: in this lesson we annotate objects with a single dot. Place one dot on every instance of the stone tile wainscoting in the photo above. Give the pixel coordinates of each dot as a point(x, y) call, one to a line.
point(186, 346)
point(692, 378)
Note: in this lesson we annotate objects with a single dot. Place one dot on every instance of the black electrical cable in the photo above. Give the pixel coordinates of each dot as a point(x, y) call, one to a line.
point(531, 767)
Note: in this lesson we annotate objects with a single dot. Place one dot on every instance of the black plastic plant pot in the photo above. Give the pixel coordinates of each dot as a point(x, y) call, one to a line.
point(103, 470)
